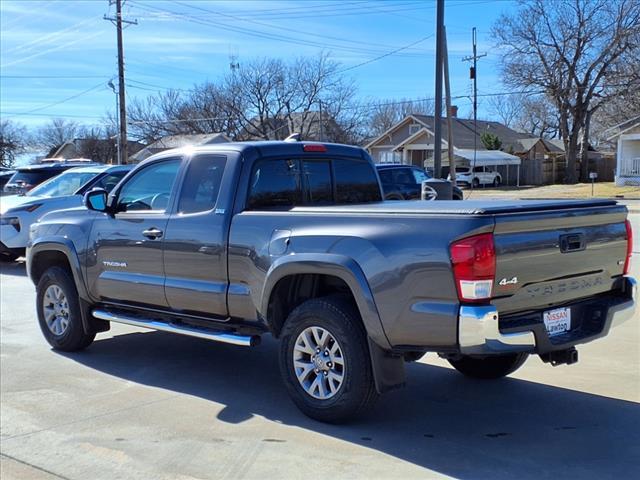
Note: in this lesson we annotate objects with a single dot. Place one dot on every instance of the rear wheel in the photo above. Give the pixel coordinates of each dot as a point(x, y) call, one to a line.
point(490, 367)
point(324, 360)
point(59, 313)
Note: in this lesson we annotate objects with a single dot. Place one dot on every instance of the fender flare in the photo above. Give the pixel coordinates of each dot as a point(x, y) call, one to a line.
point(388, 369)
point(335, 265)
point(66, 247)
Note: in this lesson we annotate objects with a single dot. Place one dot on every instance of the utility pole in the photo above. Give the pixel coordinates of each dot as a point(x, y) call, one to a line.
point(437, 131)
point(447, 92)
point(321, 126)
point(118, 20)
point(473, 73)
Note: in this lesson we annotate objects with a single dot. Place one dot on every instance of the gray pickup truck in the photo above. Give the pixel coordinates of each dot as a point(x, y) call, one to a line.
point(234, 241)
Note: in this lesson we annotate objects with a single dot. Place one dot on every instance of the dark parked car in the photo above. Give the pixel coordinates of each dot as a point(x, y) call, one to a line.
point(234, 241)
point(27, 177)
point(404, 182)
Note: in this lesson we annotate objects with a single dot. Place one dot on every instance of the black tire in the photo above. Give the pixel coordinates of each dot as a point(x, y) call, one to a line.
point(393, 196)
point(475, 183)
point(491, 367)
point(496, 182)
point(357, 391)
point(73, 338)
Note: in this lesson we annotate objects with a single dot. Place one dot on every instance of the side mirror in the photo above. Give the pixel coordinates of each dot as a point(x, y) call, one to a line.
point(96, 199)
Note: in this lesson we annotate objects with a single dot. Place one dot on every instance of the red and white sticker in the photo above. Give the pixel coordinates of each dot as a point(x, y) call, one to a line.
point(557, 321)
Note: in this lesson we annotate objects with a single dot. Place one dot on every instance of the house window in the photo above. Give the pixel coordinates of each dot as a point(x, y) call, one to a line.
point(390, 157)
point(413, 128)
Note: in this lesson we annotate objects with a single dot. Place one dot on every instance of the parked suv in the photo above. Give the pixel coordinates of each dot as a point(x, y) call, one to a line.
point(27, 177)
point(18, 212)
point(477, 176)
point(404, 182)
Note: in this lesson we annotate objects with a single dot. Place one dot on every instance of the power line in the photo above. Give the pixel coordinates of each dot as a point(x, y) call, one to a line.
point(260, 34)
point(385, 55)
point(65, 100)
point(67, 77)
point(269, 25)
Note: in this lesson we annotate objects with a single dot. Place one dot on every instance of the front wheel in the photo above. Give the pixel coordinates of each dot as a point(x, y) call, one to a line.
point(324, 360)
point(59, 313)
point(475, 183)
point(490, 367)
point(496, 182)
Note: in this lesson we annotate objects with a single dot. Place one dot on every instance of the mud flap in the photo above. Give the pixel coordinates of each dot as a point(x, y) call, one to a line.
point(388, 370)
point(89, 323)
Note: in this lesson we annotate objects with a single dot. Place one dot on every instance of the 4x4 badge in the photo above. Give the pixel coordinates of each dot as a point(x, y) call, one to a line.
point(504, 281)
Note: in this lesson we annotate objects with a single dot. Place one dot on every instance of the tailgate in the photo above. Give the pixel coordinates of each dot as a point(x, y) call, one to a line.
point(548, 258)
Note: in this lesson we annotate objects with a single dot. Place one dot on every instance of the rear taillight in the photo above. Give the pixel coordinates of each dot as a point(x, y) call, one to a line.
point(627, 260)
point(474, 267)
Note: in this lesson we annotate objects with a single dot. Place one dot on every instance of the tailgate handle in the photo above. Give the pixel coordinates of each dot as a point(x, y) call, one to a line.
point(572, 243)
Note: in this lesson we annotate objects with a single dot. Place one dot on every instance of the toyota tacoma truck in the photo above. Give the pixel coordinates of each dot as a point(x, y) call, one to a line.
point(234, 241)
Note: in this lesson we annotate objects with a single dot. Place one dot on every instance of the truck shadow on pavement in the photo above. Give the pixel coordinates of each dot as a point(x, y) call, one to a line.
point(15, 269)
point(442, 421)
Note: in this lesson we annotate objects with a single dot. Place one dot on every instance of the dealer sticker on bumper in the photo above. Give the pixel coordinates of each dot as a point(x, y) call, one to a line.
point(557, 321)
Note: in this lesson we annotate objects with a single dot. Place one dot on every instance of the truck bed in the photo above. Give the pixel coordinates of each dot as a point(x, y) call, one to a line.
point(452, 207)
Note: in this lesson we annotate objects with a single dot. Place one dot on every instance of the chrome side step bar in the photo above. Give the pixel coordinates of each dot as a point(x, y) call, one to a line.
point(154, 324)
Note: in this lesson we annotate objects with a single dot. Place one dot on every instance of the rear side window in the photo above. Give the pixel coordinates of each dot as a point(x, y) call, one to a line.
point(317, 176)
point(356, 182)
point(275, 183)
point(287, 183)
point(202, 184)
point(385, 176)
point(403, 176)
point(33, 177)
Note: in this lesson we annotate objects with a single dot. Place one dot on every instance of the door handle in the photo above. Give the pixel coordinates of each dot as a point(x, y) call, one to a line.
point(152, 233)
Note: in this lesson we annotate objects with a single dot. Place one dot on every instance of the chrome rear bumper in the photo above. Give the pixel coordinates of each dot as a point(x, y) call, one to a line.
point(479, 333)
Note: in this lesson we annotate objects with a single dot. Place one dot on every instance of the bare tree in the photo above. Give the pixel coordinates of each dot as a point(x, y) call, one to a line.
point(383, 114)
point(538, 117)
point(507, 108)
point(13, 141)
point(52, 135)
point(571, 52)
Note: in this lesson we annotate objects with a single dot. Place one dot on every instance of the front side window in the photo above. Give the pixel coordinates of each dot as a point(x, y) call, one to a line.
point(202, 184)
point(150, 188)
point(356, 182)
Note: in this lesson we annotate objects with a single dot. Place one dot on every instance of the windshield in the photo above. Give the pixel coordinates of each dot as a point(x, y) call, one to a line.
point(66, 183)
point(462, 169)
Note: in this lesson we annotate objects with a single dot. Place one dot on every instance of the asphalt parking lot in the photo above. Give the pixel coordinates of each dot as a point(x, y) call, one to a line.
point(148, 405)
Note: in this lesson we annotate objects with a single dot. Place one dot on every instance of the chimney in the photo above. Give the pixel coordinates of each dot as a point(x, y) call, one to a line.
point(454, 111)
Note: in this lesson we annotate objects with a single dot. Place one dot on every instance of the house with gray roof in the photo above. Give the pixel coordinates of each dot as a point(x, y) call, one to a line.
point(411, 141)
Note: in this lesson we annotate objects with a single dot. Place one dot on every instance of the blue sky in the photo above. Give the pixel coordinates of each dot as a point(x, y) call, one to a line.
point(179, 43)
